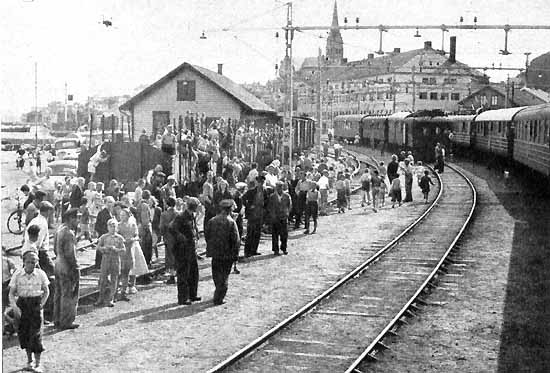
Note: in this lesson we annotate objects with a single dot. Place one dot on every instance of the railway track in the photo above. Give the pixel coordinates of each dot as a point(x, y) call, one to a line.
point(344, 327)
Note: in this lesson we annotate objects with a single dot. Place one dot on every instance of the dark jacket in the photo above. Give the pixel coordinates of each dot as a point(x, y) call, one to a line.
point(393, 166)
point(222, 238)
point(279, 209)
point(165, 219)
point(76, 196)
point(248, 199)
point(101, 221)
point(183, 228)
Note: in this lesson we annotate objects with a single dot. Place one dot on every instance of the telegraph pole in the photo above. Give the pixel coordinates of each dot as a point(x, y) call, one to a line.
point(320, 100)
point(413, 89)
point(36, 104)
point(289, 35)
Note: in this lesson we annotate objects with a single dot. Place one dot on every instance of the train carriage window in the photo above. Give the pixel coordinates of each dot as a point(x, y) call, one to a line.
point(535, 130)
point(499, 127)
point(463, 126)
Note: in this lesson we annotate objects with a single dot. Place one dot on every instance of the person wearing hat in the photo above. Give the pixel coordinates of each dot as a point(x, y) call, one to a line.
point(279, 207)
point(28, 294)
point(67, 273)
point(222, 245)
point(43, 241)
point(255, 201)
point(184, 230)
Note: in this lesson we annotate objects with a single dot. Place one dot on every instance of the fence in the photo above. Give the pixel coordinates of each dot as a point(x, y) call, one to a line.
point(128, 161)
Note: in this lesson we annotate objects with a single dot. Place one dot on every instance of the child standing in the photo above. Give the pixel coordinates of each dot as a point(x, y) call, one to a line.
point(347, 183)
point(340, 187)
point(375, 183)
point(58, 201)
point(365, 188)
point(28, 294)
point(111, 245)
point(312, 206)
point(84, 220)
point(424, 184)
point(395, 192)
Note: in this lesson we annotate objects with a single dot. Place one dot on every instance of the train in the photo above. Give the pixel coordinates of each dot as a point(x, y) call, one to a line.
point(519, 135)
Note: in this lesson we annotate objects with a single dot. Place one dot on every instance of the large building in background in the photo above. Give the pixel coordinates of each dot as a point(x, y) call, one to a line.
point(420, 79)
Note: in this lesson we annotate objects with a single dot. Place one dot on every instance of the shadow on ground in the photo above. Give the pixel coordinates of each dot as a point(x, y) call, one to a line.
point(525, 337)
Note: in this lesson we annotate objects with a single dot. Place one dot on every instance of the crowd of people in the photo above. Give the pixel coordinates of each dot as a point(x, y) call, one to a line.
point(130, 224)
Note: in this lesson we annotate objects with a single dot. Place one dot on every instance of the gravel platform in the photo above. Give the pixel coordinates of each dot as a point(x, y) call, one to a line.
point(153, 334)
point(491, 312)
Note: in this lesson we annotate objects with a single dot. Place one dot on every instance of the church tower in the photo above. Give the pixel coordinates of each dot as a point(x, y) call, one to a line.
point(335, 44)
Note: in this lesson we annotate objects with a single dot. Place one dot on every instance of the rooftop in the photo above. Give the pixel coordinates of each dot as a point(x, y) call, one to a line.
point(235, 90)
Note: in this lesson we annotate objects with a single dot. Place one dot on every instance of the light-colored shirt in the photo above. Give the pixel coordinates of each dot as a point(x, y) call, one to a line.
point(43, 241)
point(323, 183)
point(29, 284)
point(271, 180)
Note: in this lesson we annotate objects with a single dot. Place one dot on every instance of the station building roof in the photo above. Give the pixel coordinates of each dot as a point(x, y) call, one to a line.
point(245, 98)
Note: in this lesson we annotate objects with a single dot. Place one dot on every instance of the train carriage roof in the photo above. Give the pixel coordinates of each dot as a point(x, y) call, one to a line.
point(453, 118)
point(400, 115)
point(536, 112)
point(354, 117)
point(505, 115)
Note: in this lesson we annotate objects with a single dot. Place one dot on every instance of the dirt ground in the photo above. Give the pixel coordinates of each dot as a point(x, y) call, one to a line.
point(490, 313)
point(153, 334)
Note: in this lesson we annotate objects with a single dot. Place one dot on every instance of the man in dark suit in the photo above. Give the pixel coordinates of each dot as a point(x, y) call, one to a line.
point(184, 230)
point(255, 201)
point(279, 206)
point(222, 244)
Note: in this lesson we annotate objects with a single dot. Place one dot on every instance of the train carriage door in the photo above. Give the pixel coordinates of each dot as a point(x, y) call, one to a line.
point(510, 136)
point(405, 134)
point(361, 138)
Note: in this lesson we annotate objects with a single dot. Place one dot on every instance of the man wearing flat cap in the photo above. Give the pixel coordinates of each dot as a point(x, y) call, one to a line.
point(255, 201)
point(67, 273)
point(184, 229)
point(222, 244)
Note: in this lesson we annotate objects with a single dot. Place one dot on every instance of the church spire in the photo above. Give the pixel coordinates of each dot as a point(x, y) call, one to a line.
point(335, 15)
point(335, 45)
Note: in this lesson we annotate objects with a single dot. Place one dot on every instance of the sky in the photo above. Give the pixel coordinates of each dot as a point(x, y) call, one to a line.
point(149, 38)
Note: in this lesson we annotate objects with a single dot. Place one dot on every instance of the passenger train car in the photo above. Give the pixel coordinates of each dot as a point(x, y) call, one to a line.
point(520, 135)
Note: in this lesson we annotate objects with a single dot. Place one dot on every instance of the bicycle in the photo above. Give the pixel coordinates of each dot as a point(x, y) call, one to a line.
point(16, 220)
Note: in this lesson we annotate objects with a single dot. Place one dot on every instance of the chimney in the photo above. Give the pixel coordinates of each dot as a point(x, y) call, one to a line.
point(370, 56)
point(452, 50)
point(220, 68)
point(427, 45)
point(396, 50)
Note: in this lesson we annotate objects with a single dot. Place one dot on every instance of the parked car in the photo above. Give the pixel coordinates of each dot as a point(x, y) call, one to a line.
point(62, 168)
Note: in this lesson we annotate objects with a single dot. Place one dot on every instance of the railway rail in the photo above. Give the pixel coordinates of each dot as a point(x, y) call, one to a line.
point(344, 327)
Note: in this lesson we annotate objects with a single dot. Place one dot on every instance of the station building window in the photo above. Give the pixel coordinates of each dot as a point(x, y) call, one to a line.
point(444, 96)
point(185, 90)
point(423, 95)
point(494, 100)
point(433, 95)
point(455, 96)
